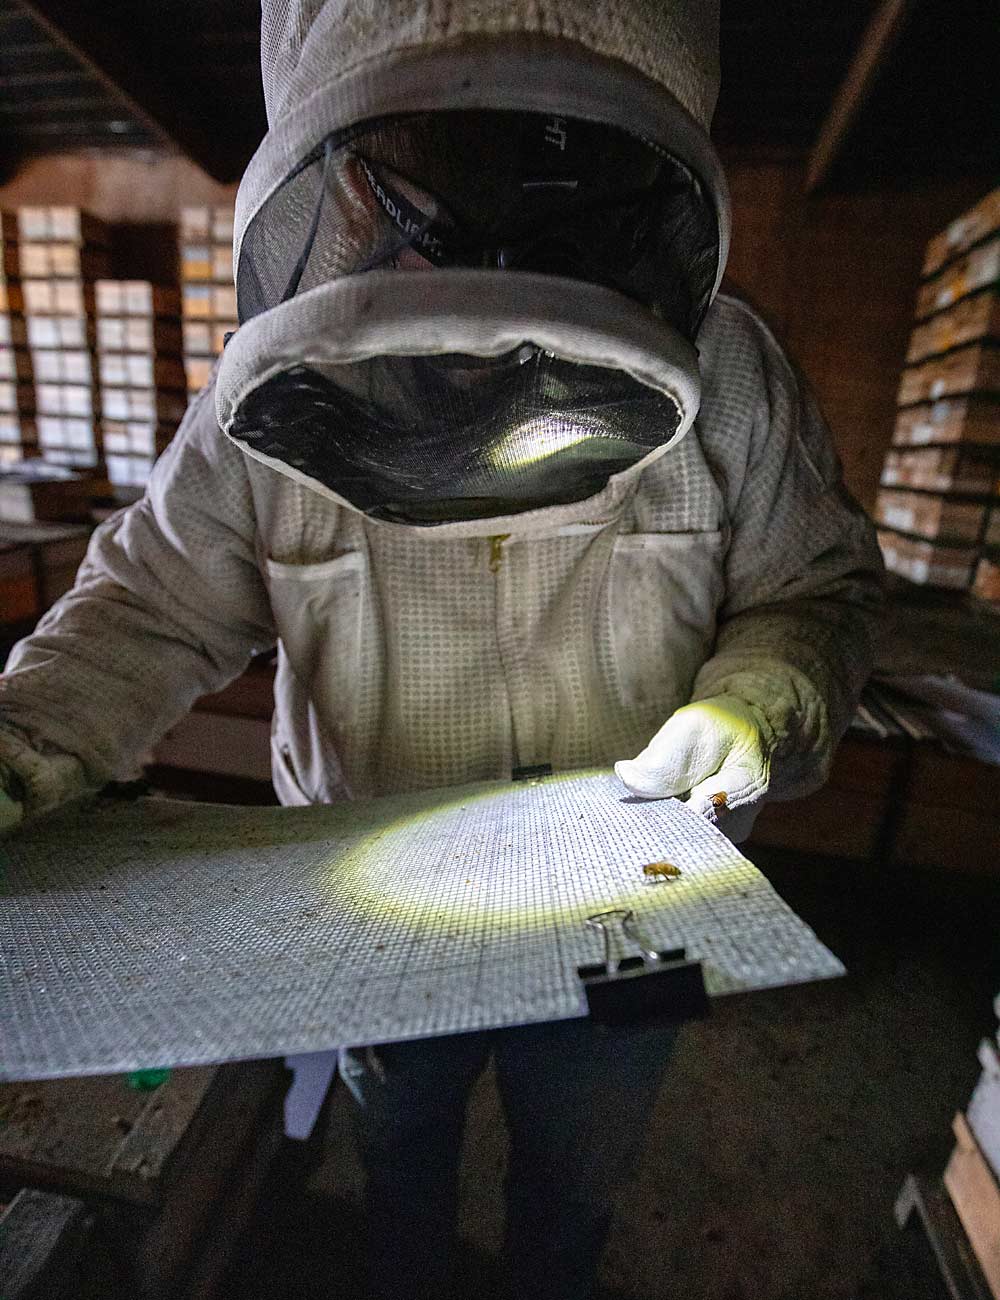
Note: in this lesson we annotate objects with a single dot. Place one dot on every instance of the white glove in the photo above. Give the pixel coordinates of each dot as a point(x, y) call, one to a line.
point(715, 751)
point(11, 813)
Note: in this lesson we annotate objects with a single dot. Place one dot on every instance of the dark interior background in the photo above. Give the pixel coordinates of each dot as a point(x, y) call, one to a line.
point(851, 134)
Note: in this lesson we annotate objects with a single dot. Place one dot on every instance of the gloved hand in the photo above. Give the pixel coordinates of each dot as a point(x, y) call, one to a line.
point(706, 750)
point(11, 813)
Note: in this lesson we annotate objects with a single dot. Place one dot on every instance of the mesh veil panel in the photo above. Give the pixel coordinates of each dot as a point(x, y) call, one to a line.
point(426, 440)
point(488, 189)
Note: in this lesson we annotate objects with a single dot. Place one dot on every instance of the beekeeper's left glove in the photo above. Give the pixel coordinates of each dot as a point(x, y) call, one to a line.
point(717, 752)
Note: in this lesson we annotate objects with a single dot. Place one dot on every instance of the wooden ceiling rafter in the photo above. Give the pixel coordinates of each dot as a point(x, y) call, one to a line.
point(869, 62)
point(108, 54)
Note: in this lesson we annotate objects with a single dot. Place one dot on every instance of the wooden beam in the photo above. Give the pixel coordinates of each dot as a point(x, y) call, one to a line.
point(868, 63)
point(114, 58)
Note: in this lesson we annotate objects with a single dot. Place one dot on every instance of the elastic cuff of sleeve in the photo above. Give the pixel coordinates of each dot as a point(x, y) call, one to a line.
point(40, 781)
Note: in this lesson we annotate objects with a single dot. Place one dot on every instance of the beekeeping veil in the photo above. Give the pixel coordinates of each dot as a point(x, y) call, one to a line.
point(474, 249)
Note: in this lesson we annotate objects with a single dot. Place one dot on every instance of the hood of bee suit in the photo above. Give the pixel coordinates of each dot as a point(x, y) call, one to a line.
point(339, 77)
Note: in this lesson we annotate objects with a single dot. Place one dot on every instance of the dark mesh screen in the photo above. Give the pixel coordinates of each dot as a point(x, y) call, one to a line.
point(427, 440)
point(493, 190)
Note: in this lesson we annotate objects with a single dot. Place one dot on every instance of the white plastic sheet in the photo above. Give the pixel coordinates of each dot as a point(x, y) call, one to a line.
point(164, 933)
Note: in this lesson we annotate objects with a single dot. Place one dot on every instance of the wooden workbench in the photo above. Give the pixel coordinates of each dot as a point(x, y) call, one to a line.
point(133, 1193)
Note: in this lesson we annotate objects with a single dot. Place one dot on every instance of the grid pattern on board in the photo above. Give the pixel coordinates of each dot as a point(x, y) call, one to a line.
point(162, 933)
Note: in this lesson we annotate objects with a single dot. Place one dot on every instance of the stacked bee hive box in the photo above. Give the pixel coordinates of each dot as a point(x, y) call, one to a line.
point(961, 1213)
point(17, 394)
point(938, 508)
point(972, 1176)
point(62, 253)
point(142, 383)
point(209, 295)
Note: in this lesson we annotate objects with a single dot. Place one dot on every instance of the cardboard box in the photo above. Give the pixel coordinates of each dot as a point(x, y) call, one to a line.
point(75, 432)
point(219, 331)
point(63, 366)
point(222, 225)
point(72, 457)
point(196, 224)
point(62, 224)
point(973, 318)
point(135, 437)
point(942, 469)
point(62, 261)
point(964, 231)
point(139, 298)
point(197, 338)
point(13, 330)
point(150, 404)
point(975, 1195)
point(196, 301)
point(10, 261)
point(222, 262)
point(10, 428)
point(139, 370)
point(143, 298)
point(128, 471)
point(18, 436)
point(154, 336)
point(199, 372)
point(59, 332)
point(65, 399)
point(974, 368)
point(37, 491)
point(927, 562)
point(976, 269)
point(224, 302)
point(33, 223)
point(196, 262)
point(58, 297)
point(986, 583)
point(928, 515)
point(15, 363)
point(11, 295)
point(16, 397)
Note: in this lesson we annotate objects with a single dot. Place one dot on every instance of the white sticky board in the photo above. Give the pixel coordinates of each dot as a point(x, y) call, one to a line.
point(163, 933)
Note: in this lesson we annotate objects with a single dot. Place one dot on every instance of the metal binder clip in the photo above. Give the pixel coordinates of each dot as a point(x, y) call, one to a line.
point(652, 985)
point(531, 773)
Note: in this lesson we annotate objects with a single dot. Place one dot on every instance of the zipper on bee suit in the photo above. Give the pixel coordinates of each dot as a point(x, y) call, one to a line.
point(495, 561)
point(496, 551)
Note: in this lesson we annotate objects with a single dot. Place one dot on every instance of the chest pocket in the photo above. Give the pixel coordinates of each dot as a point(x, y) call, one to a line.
point(328, 671)
point(666, 582)
point(663, 593)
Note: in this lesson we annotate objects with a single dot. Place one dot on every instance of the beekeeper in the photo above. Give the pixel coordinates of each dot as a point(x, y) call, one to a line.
point(509, 482)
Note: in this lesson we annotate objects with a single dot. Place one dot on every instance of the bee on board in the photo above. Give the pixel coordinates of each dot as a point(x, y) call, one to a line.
point(661, 871)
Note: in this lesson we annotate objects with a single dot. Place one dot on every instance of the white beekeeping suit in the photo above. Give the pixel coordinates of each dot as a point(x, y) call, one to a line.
point(490, 458)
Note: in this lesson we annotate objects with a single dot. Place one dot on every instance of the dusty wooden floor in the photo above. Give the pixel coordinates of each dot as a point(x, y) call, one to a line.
point(781, 1137)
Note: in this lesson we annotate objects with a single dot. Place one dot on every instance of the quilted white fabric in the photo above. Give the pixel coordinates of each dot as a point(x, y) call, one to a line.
point(308, 43)
point(408, 658)
point(649, 67)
